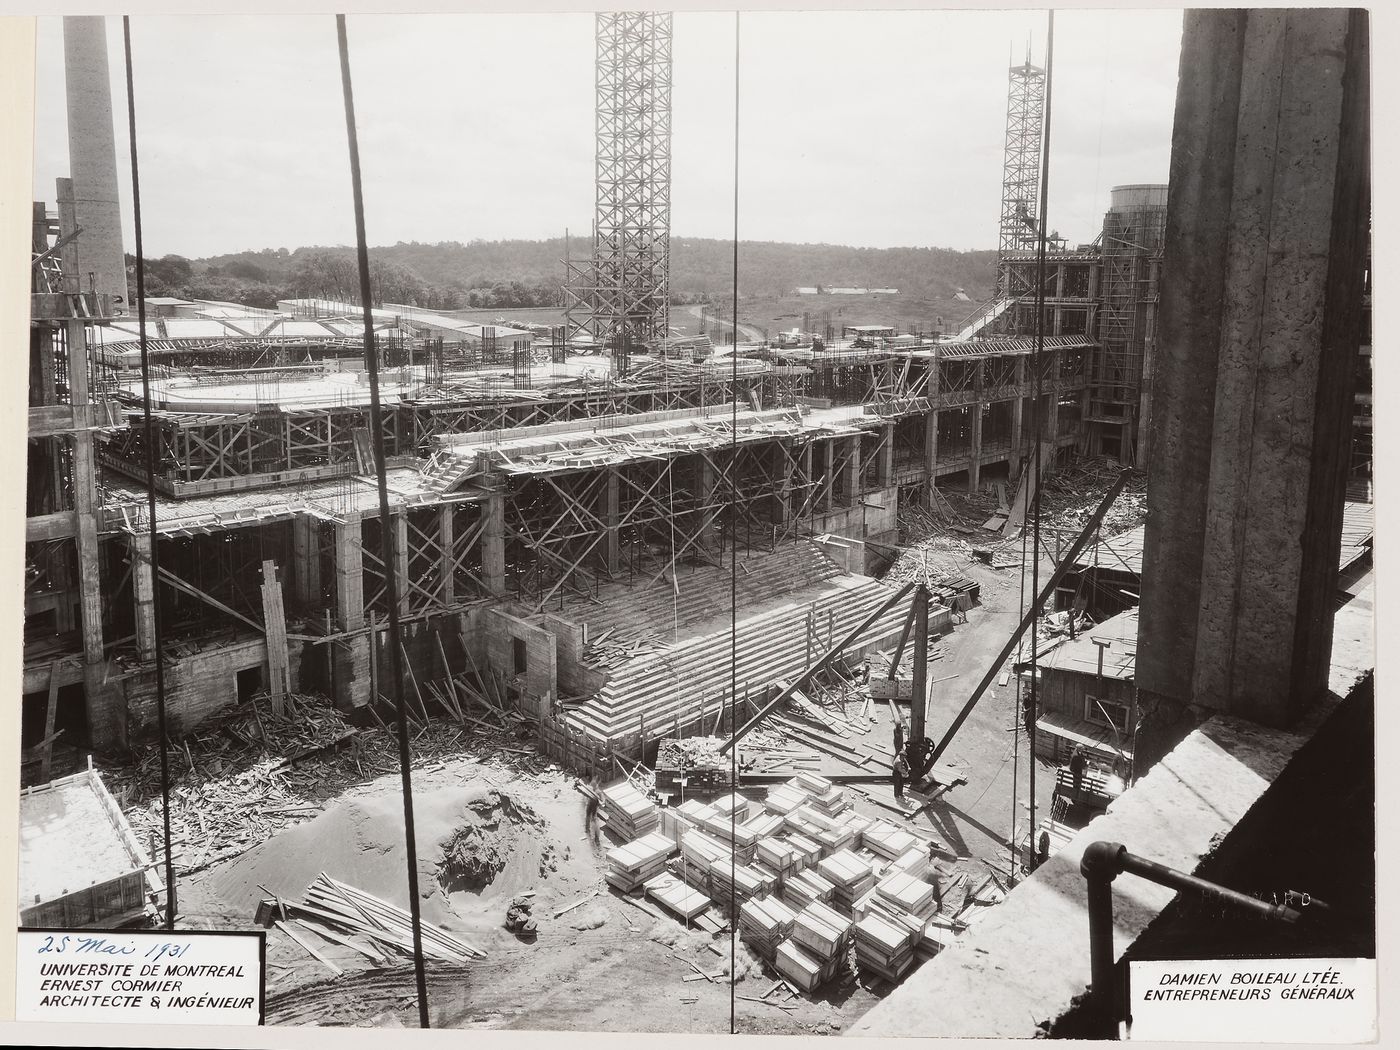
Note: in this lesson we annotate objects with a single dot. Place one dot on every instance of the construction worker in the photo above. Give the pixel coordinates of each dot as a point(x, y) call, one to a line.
point(1077, 763)
point(901, 774)
point(590, 809)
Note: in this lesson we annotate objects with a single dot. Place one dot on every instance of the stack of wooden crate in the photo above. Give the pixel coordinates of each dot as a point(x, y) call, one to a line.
point(627, 813)
point(744, 881)
point(764, 923)
point(850, 876)
point(765, 825)
point(633, 863)
point(805, 887)
point(784, 798)
point(737, 805)
point(884, 946)
point(779, 856)
point(887, 840)
point(817, 948)
point(676, 897)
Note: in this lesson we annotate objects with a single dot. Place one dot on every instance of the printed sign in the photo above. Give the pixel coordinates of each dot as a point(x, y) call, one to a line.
point(139, 976)
point(1254, 1000)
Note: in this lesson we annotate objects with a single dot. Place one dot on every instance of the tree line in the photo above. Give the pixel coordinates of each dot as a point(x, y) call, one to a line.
point(503, 274)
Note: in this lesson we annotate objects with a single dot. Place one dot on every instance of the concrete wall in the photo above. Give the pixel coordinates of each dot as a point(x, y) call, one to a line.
point(196, 687)
point(874, 517)
point(500, 630)
point(572, 677)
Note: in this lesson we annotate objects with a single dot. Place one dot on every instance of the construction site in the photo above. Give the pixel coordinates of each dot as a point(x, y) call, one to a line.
point(742, 679)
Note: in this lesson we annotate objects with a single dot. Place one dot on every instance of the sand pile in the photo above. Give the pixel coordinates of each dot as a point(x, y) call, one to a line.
point(473, 840)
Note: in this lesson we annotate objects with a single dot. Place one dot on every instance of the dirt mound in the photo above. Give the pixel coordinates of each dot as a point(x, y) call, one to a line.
point(502, 847)
point(473, 841)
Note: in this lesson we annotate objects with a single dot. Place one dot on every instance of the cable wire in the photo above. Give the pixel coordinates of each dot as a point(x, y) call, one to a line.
point(171, 896)
point(386, 530)
point(734, 561)
point(1034, 710)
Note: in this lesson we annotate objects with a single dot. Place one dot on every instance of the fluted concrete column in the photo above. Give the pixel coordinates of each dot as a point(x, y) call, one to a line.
point(1260, 325)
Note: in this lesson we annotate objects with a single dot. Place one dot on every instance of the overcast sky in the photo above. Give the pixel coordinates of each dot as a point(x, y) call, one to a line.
point(870, 128)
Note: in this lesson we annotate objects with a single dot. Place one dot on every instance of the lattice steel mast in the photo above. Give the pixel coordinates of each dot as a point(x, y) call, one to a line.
point(620, 296)
point(1020, 185)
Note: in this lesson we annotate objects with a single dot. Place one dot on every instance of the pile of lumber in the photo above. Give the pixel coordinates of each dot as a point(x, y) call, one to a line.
point(248, 773)
point(381, 924)
point(610, 648)
point(764, 923)
point(627, 813)
point(884, 947)
point(850, 877)
point(634, 863)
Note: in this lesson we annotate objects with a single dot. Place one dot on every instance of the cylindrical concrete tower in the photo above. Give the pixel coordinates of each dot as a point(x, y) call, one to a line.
point(100, 264)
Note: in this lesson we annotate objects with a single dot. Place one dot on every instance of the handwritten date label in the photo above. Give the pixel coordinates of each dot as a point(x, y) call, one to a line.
point(139, 977)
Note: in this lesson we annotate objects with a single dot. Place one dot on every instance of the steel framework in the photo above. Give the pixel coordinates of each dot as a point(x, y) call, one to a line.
point(1020, 184)
point(621, 296)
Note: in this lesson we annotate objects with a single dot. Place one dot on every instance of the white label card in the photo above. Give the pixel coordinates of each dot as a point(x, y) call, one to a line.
point(139, 976)
point(1254, 1000)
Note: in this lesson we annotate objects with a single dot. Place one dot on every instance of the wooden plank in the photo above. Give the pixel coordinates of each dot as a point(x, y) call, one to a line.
point(309, 949)
point(50, 714)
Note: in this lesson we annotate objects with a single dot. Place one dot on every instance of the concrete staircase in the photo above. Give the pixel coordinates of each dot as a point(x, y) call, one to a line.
point(701, 595)
point(683, 679)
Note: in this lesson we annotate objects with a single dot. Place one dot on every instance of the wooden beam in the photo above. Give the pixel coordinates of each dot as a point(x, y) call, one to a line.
point(50, 714)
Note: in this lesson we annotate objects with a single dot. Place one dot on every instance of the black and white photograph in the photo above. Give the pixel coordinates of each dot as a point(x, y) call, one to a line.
point(820, 523)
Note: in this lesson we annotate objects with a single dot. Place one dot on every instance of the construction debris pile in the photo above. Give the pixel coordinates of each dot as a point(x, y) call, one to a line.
point(249, 774)
point(382, 928)
point(818, 887)
point(1069, 497)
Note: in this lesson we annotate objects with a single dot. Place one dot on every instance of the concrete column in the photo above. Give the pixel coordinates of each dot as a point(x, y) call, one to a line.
point(885, 476)
point(92, 159)
point(493, 543)
point(306, 560)
point(853, 481)
point(974, 464)
point(143, 589)
point(84, 492)
point(611, 515)
point(1260, 325)
point(399, 518)
point(1052, 410)
point(349, 573)
point(930, 455)
point(447, 583)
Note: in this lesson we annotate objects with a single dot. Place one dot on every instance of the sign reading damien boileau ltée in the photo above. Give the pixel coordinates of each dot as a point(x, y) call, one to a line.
point(1256, 1000)
point(139, 976)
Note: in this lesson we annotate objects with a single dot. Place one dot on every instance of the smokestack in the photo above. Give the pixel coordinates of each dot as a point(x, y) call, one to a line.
point(92, 160)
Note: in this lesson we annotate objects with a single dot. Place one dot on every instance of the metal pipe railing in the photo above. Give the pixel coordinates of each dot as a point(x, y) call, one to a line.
point(1101, 864)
